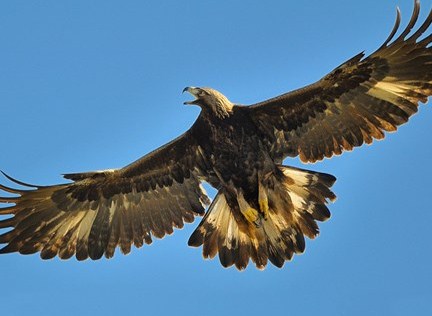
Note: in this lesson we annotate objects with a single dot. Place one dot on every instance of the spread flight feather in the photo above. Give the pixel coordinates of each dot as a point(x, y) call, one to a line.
point(263, 209)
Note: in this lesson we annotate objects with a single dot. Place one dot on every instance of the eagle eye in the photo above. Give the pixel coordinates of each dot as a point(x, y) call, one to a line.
point(203, 93)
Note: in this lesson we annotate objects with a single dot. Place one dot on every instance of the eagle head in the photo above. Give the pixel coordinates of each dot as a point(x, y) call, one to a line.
point(211, 101)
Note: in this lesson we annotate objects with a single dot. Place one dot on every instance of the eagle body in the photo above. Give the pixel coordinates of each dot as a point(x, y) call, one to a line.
point(263, 209)
point(237, 152)
point(250, 184)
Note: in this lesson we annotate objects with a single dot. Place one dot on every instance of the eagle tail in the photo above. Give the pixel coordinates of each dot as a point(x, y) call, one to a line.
point(296, 199)
point(219, 232)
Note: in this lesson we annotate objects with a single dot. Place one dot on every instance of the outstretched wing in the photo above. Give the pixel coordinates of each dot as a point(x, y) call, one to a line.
point(101, 210)
point(355, 103)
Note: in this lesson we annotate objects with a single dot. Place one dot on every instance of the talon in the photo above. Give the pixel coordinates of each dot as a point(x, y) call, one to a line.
point(263, 199)
point(263, 204)
point(251, 214)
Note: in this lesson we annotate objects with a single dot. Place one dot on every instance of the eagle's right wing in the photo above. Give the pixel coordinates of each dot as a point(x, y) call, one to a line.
point(101, 210)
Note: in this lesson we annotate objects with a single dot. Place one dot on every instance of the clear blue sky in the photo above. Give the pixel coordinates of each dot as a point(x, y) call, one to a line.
point(90, 85)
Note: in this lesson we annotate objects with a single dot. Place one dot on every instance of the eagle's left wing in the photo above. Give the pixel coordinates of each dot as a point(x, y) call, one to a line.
point(355, 103)
point(101, 210)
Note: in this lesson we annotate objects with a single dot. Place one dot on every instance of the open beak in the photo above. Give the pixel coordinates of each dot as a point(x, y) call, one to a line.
point(194, 91)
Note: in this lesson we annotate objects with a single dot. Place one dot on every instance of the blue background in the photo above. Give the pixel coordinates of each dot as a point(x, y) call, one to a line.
point(90, 85)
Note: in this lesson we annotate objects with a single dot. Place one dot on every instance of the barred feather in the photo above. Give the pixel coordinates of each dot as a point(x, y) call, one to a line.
point(354, 104)
point(103, 210)
point(296, 202)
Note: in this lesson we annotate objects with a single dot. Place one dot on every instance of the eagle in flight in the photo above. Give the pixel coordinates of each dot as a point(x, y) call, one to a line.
point(263, 209)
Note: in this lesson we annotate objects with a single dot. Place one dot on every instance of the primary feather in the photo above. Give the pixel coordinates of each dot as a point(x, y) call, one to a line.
point(262, 210)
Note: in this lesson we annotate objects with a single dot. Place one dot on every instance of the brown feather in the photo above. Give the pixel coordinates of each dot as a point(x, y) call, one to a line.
point(100, 210)
point(359, 100)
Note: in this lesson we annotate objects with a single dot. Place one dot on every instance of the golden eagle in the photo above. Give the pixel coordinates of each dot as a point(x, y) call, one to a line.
point(263, 209)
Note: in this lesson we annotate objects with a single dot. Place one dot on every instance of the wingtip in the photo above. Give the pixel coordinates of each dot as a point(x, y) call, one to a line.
point(398, 10)
point(20, 182)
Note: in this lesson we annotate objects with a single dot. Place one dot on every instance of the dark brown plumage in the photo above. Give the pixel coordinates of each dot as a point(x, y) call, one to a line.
point(262, 210)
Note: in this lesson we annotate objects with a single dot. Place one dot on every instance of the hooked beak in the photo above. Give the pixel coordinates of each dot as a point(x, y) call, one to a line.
point(194, 91)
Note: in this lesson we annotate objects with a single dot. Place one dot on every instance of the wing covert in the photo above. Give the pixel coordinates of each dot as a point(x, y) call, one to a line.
point(354, 104)
point(99, 211)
